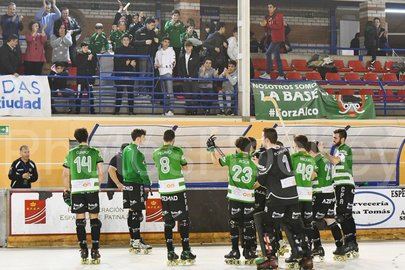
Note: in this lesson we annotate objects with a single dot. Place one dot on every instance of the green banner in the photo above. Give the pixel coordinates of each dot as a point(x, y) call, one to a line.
point(4, 130)
point(307, 100)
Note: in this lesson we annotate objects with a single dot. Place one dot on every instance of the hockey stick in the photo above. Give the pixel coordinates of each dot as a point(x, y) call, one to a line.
point(174, 128)
point(213, 138)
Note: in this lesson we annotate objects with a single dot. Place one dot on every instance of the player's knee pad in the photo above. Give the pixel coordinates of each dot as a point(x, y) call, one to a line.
point(234, 223)
point(184, 223)
point(249, 225)
point(95, 223)
point(137, 216)
point(341, 218)
point(81, 223)
point(129, 219)
point(169, 223)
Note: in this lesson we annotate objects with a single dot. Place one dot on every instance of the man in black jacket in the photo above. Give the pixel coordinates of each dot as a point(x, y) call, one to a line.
point(70, 24)
point(115, 177)
point(23, 171)
point(217, 45)
point(86, 66)
point(126, 66)
point(188, 67)
point(9, 57)
point(59, 87)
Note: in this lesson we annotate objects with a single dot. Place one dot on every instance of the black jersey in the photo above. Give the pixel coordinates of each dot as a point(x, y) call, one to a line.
point(275, 173)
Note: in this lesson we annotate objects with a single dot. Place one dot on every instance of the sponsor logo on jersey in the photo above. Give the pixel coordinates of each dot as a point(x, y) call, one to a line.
point(174, 198)
point(328, 201)
point(35, 212)
point(154, 211)
point(92, 206)
point(77, 206)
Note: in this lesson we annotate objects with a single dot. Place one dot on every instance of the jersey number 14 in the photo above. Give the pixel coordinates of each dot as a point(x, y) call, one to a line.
point(83, 161)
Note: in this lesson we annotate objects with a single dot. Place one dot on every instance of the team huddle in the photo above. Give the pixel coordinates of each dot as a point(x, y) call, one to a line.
point(269, 190)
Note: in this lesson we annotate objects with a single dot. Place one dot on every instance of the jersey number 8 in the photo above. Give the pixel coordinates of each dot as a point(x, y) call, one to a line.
point(165, 165)
point(246, 171)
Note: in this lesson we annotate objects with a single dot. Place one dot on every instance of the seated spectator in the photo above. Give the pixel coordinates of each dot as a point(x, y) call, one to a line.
point(126, 66)
point(35, 52)
point(9, 57)
point(23, 170)
point(86, 66)
point(116, 36)
point(207, 87)
point(228, 88)
point(59, 86)
point(61, 41)
point(98, 41)
point(165, 62)
point(233, 45)
point(188, 66)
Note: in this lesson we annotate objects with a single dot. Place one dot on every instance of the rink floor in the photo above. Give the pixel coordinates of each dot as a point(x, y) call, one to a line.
point(385, 255)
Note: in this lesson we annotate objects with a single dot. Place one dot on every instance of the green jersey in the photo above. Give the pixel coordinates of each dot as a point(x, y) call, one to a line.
point(134, 166)
point(98, 43)
point(303, 166)
point(242, 172)
point(115, 38)
point(169, 161)
point(82, 163)
point(343, 171)
point(323, 182)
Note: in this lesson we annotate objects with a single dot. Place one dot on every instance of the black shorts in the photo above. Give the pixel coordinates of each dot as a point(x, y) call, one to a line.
point(174, 206)
point(344, 199)
point(260, 199)
point(241, 211)
point(85, 202)
point(306, 212)
point(134, 196)
point(282, 213)
point(323, 205)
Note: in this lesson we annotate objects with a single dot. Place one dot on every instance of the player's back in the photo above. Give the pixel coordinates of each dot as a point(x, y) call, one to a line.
point(304, 167)
point(323, 181)
point(169, 161)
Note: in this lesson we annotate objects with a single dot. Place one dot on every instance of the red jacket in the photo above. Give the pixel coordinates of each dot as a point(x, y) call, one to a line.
point(35, 48)
point(276, 24)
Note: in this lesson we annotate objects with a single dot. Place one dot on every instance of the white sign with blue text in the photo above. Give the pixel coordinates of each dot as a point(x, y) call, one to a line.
point(25, 96)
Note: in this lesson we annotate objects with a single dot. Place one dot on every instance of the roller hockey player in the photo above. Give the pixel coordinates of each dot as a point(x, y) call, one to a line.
point(136, 181)
point(342, 160)
point(82, 175)
point(170, 163)
point(275, 173)
point(304, 167)
point(242, 173)
point(323, 206)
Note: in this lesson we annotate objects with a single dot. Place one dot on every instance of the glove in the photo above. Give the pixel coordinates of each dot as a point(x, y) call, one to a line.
point(146, 190)
point(211, 143)
point(67, 197)
point(257, 153)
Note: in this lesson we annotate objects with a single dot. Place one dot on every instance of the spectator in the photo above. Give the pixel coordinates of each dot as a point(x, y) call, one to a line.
point(115, 177)
point(142, 17)
point(61, 41)
point(206, 87)
point(9, 57)
point(355, 44)
point(382, 41)
point(228, 88)
point(233, 45)
point(188, 66)
point(116, 36)
point(98, 41)
point(23, 170)
point(127, 18)
point(370, 41)
point(11, 23)
point(124, 65)
point(190, 33)
point(71, 25)
point(254, 44)
point(135, 25)
point(207, 32)
point(216, 45)
point(45, 17)
point(145, 43)
point(174, 29)
point(58, 85)
point(165, 61)
point(275, 23)
point(86, 66)
point(35, 52)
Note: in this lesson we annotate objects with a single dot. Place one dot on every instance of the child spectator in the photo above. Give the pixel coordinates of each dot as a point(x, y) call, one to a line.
point(86, 66)
point(35, 52)
point(165, 61)
point(228, 88)
point(59, 85)
point(61, 40)
point(98, 41)
point(206, 87)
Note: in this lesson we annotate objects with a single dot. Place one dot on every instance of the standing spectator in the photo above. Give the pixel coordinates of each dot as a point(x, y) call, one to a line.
point(217, 45)
point(127, 18)
point(71, 25)
point(11, 23)
point(9, 57)
point(23, 170)
point(188, 66)
point(35, 52)
point(58, 85)
point(207, 87)
point(355, 44)
point(190, 33)
point(135, 25)
point(228, 88)
point(145, 42)
point(370, 42)
point(382, 41)
point(174, 29)
point(142, 17)
point(165, 61)
point(86, 66)
point(98, 41)
point(275, 23)
point(233, 45)
point(125, 65)
point(61, 41)
point(115, 178)
point(116, 35)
